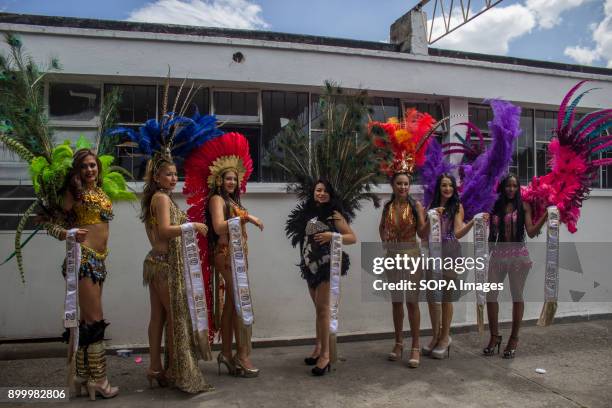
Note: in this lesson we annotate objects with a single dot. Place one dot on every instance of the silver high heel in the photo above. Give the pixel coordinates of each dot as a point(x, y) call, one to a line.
point(393, 356)
point(441, 353)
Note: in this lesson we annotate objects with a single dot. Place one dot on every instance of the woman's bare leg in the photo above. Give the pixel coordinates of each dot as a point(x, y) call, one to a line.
point(323, 316)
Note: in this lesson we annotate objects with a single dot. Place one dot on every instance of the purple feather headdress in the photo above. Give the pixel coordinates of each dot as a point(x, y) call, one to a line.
point(434, 166)
point(478, 193)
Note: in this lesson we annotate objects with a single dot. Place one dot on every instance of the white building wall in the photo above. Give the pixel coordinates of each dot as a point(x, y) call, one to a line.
point(282, 306)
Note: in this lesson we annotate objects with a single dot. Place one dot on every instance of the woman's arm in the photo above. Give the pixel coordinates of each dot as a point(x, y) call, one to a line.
point(58, 231)
point(381, 226)
point(160, 204)
point(531, 228)
point(348, 236)
point(459, 225)
point(255, 221)
point(422, 223)
point(217, 215)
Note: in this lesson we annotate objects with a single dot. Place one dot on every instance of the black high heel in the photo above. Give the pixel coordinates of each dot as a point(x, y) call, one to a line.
point(318, 372)
point(508, 352)
point(489, 351)
point(311, 360)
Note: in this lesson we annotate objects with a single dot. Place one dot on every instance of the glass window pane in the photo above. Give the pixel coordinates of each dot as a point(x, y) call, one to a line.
point(278, 109)
point(546, 122)
point(382, 109)
point(542, 158)
point(137, 102)
point(236, 103)
point(74, 102)
point(144, 103)
point(199, 100)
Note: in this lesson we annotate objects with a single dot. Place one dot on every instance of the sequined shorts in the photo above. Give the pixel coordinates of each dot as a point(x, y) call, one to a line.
point(92, 265)
point(155, 266)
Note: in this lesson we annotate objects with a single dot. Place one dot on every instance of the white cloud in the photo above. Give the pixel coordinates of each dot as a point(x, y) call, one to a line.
point(210, 13)
point(581, 55)
point(548, 12)
point(492, 31)
point(489, 33)
point(602, 37)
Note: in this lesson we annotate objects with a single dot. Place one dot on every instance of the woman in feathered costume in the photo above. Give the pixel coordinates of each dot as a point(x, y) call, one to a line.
point(403, 218)
point(576, 155)
point(74, 192)
point(215, 175)
point(480, 170)
point(167, 271)
point(510, 220)
point(575, 158)
point(332, 176)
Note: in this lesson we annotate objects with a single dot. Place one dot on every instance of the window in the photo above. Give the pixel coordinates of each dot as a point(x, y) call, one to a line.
point(530, 156)
point(137, 104)
point(278, 108)
point(545, 123)
point(14, 201)
point(199, 100)
point(75, 102)
point(236, 106)
point(382, 109)
point(523, 156)
point(142, 102)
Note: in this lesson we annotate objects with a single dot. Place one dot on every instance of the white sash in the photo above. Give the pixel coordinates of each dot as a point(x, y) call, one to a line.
point(335, 269)
point(551, 276)
point(481, 250)
point(194, 288)
point(242, 291)
point(71, 300)
point(435, 250)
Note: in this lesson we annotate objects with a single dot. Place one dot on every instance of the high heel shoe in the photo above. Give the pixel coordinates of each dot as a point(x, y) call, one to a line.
point(318, 371)
point(490, 350)
point(440, 353)
point(311, 360)
point(104, 390)
point(79, 386)
point(426, 350)
point(229, 364)
point(509, 352)
point(242, 370)
point(415, 362)
point(393, 356)
point(158, 376)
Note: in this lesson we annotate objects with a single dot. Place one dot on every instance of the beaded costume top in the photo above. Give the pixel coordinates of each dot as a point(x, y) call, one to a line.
point(399, 224)
point(94, 208)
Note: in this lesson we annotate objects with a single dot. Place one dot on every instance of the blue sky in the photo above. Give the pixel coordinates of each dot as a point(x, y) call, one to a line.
point(572, 31)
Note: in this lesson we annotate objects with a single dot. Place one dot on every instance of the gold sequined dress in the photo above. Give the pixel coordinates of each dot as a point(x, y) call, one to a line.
point(399, 226)
point(183, 370)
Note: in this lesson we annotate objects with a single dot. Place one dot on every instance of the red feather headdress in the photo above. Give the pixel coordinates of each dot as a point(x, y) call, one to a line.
point(407, 140)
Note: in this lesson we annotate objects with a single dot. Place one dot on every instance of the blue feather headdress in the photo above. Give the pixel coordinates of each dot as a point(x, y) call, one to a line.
point(175, 135)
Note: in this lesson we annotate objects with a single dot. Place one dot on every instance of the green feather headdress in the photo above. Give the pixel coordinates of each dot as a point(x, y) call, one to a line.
point(25, 131)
